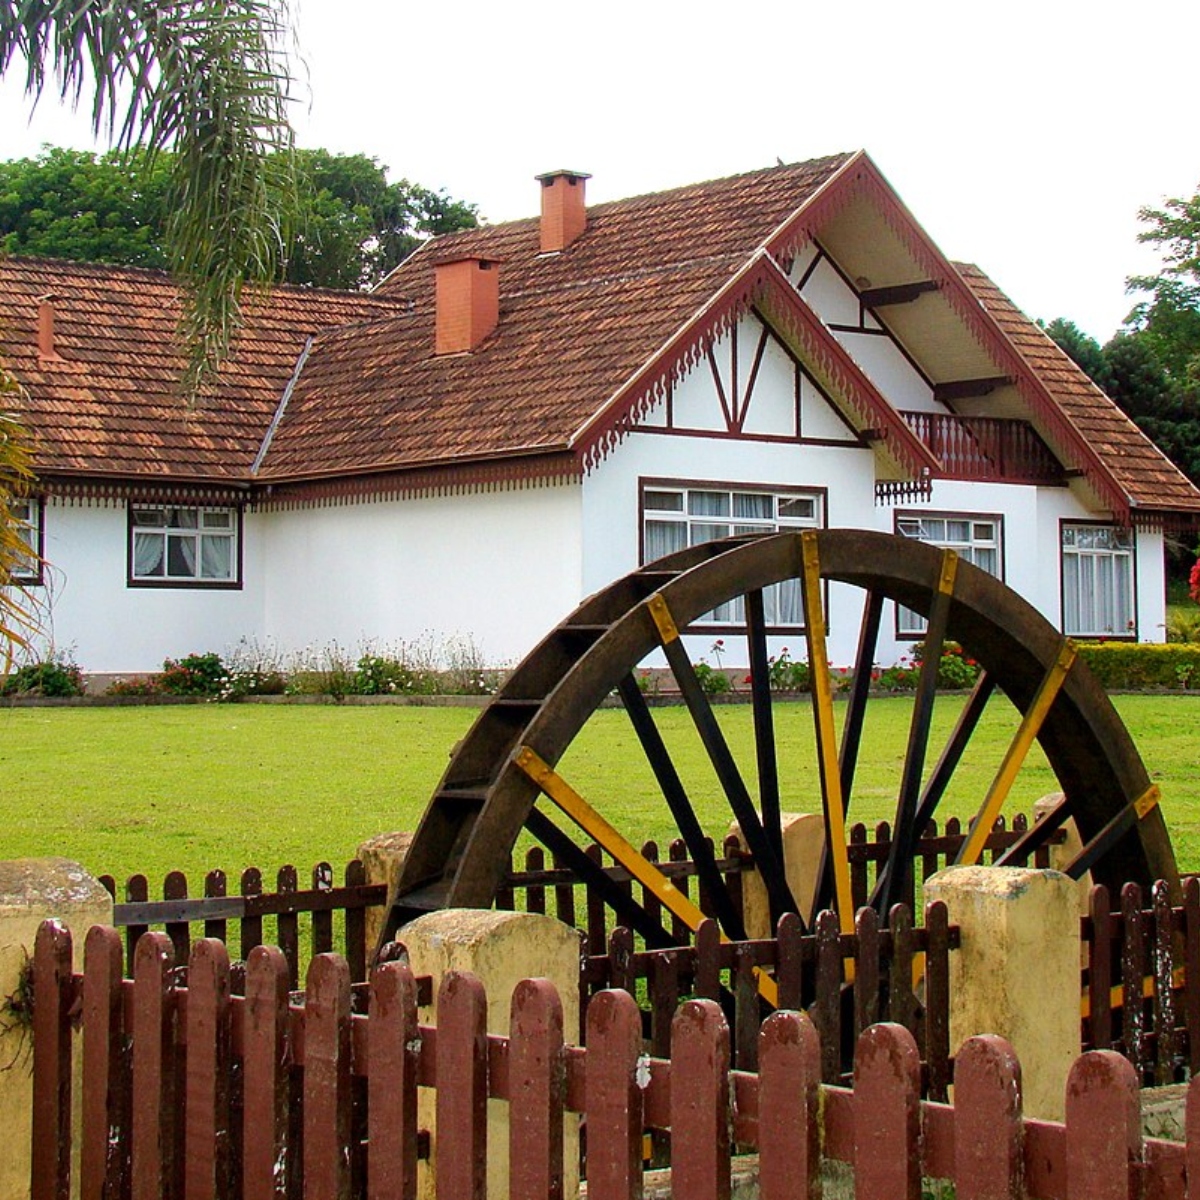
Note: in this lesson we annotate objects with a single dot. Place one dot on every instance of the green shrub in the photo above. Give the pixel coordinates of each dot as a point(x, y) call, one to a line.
point(381, 675)
point(1134, 666)
point(956, 670)
point(51, 677)
point(786, 674)
point(139, 685)
point(712, 680)
point(195, 675)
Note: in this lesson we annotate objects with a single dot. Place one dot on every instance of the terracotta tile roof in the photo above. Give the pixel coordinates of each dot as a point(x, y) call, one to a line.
point(1150, 480)
point(112, 405)
point(573, 328)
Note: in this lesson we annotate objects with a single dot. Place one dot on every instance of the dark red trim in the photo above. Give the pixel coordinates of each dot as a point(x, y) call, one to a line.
point(778, 439)
point(861, 178)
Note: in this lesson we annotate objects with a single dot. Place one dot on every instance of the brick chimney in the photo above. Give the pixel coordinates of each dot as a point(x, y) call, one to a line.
point(468, 303)
point(46, 347)
point(564, 211)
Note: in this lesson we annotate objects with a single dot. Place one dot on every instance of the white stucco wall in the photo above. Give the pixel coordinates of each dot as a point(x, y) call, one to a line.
point(499, 567)
point(89, 611)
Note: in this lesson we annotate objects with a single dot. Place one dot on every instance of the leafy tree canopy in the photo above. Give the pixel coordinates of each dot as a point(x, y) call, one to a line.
point(351, 226)
point(1151, 368)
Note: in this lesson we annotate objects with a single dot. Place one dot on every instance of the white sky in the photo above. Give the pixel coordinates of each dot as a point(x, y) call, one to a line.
point(1023, 136)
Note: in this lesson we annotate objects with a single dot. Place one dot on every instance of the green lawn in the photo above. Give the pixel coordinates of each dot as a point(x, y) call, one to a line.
point(195, 787)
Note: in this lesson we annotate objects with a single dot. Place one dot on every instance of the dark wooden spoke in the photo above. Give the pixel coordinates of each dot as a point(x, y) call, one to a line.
point(770, 868)
point(699, 846)
point(764, 720)
point(856, 707)
point(1037, 836)
point(894, 875)
point(964, 729)
point(629, 912)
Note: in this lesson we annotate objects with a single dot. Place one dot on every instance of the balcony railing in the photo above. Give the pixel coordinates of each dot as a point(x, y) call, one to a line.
point(986, 448)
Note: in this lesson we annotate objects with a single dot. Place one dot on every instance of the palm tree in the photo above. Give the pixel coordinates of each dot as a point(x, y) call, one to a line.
point(209, 79)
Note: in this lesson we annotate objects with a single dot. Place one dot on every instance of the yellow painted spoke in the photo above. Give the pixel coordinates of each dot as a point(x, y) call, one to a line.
point(1014, 758)
point(557, 789)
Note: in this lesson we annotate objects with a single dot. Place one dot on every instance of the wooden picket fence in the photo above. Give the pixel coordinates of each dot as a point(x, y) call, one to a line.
point(325, 915)
point(1142, 973)
point(901, 974)
point(192, 1092)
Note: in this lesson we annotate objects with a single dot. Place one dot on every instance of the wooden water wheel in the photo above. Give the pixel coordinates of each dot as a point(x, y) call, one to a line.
point(503, 779)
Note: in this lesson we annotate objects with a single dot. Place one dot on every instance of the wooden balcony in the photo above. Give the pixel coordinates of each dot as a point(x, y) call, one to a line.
point(991, 449)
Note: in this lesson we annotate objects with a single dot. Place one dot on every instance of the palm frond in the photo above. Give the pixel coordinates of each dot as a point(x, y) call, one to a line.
point(210, 79)
point(18, 619)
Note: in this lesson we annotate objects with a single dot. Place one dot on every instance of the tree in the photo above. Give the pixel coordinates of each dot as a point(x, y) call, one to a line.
point(350, 227)
point(208, 79)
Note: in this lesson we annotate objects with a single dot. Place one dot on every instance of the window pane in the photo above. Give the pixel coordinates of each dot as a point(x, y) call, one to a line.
point(216, 558)
point(958, 532)
point(663, 501)
point(148, 555)
point(664, 537)
point(797, 509)
point(183, 518)
point(147, 517)
point(181, 556)
point(216, 518)
point(706, 532)
point(753, 506)
point(708, 504)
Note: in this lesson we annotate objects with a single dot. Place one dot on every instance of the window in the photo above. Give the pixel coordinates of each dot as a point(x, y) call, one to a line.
point(677, 516)
point(974, 539)
point(1097, 575)
point(170, 544)
point(28, 514)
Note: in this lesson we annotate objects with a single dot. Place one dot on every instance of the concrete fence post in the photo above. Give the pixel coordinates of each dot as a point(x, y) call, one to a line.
point(803, 841)
point(31, 891)
point(500, 949)
point(1016, 972)
point(382, 856)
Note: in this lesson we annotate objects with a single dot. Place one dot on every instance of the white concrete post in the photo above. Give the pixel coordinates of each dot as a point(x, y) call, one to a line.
point(803, 841)
point(500, 949)
point(1016, 972)
point(31, 891)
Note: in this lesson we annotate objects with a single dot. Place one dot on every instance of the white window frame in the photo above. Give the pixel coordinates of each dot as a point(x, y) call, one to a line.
point(1099, 584)
point(184, 545)
point(975, 545)
point(28, 512)
point(700, 515)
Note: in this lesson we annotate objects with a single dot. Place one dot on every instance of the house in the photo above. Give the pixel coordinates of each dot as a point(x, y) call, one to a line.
point(522, 412)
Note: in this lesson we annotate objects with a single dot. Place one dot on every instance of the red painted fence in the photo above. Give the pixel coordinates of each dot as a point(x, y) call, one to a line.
point(195, 1093)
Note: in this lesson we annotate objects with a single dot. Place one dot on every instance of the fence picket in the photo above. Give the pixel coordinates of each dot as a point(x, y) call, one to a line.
point(322, 920)
point(902, 1003)
point(460, 1148)
point(103, 1159)
point(866, 970)
point(613, 1097)
point(827, 1008)
point(1104, 1129)
point(1132, 972)
point(215, 888)
point(789, 1066)
point(287, 926)
point(206, 1088)
point(887, 1114)
point(153, 1137)
point(537, 1092)
point(392, 1096)
point(252, 926)
point(937, 999)
point(700, 1102)
point(988, 1162)
point(265, 1057)
point(789, 973)
point(1100, 968)
point(175, 887)
point(137, 891)
point(1191, 972)
point(52, 980)
point(1164, 997)
point(356, 924)
point(327, 1079)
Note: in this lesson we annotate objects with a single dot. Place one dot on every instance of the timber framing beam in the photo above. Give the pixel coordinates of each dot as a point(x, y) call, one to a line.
point(964, 389)
point(901, 293)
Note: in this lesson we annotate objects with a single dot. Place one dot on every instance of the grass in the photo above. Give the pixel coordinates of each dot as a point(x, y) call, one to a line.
point(196, 787)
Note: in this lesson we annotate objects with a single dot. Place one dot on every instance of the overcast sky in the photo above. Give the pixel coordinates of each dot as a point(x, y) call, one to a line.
point(1023, 136)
